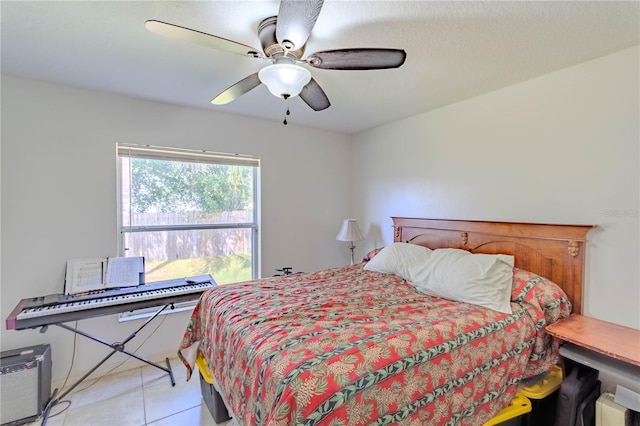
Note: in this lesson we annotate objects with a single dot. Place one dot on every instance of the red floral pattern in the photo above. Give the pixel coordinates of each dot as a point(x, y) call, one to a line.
point(346, 346)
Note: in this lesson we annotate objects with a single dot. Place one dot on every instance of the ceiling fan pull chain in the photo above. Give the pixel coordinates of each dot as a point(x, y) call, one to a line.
point(286, 99)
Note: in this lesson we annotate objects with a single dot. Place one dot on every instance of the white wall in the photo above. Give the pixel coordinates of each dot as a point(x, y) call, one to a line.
point(59, 196)
point(562, 148)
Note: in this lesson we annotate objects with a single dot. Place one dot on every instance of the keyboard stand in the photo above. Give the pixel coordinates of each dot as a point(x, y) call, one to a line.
point(116, 347)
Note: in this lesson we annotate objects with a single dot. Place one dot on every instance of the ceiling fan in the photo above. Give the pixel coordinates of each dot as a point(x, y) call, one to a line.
point(283, 40)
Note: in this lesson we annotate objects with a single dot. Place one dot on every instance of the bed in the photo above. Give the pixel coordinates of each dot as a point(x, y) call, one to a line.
point(352, 345)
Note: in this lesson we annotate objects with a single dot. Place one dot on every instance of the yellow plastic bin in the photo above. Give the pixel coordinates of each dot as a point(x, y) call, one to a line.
point(512, 414)
point(544, 399)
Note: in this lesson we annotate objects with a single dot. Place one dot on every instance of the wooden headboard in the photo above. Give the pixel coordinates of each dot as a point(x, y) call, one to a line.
point(555, 252)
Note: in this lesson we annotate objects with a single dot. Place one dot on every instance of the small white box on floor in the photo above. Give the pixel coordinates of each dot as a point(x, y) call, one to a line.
point(608, 413)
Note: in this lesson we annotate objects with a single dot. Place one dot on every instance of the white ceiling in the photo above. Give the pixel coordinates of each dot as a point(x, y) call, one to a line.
point(455, 50)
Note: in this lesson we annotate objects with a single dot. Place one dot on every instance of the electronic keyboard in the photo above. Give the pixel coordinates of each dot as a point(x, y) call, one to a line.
point(58, 308)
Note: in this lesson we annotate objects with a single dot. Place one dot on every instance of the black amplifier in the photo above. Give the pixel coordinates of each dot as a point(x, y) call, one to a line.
point(25, 384)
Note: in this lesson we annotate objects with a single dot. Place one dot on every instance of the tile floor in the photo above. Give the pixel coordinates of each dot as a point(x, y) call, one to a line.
point(137, 397)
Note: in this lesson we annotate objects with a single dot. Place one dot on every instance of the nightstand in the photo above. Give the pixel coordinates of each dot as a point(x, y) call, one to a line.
point(613, 340)
point(611, 349)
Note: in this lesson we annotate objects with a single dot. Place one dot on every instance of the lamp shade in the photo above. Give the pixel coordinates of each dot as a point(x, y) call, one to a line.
point(284, 80)
point(349, 231)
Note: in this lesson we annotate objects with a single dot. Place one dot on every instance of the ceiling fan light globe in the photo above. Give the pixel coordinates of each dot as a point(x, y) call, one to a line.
point(284, 79)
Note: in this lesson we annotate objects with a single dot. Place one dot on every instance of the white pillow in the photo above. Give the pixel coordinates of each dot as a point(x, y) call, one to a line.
point(481, 279)
point(399, 259)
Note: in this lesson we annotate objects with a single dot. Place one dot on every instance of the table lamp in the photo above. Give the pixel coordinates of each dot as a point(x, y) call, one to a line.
point(350, 232)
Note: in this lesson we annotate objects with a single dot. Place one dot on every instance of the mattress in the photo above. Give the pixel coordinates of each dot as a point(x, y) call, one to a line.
point(348, 346)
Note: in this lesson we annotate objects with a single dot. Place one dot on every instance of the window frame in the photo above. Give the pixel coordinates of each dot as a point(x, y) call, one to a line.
point(190, 155)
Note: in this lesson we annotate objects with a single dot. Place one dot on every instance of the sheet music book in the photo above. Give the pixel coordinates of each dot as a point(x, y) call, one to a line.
point(92, 274)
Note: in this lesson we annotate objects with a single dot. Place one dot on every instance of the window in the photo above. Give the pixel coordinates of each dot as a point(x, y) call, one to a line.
point(188, 212)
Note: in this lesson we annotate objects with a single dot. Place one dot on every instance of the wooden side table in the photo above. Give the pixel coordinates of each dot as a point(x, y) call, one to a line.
point(613, 340)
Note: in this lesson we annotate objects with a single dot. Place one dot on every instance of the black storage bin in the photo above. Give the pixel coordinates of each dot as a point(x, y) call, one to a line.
point(214, 401)
point(544, 398)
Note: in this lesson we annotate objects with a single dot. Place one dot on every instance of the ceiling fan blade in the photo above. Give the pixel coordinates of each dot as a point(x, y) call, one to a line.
point(198, 37)
point(313, 95)
point(296, 19)
point(240, 88)
point(357, 59)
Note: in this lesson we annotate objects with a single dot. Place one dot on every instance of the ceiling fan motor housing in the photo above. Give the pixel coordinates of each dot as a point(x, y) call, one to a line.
point(269, 43)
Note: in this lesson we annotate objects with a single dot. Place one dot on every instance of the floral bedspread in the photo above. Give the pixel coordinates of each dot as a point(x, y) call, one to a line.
point(346, 346)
